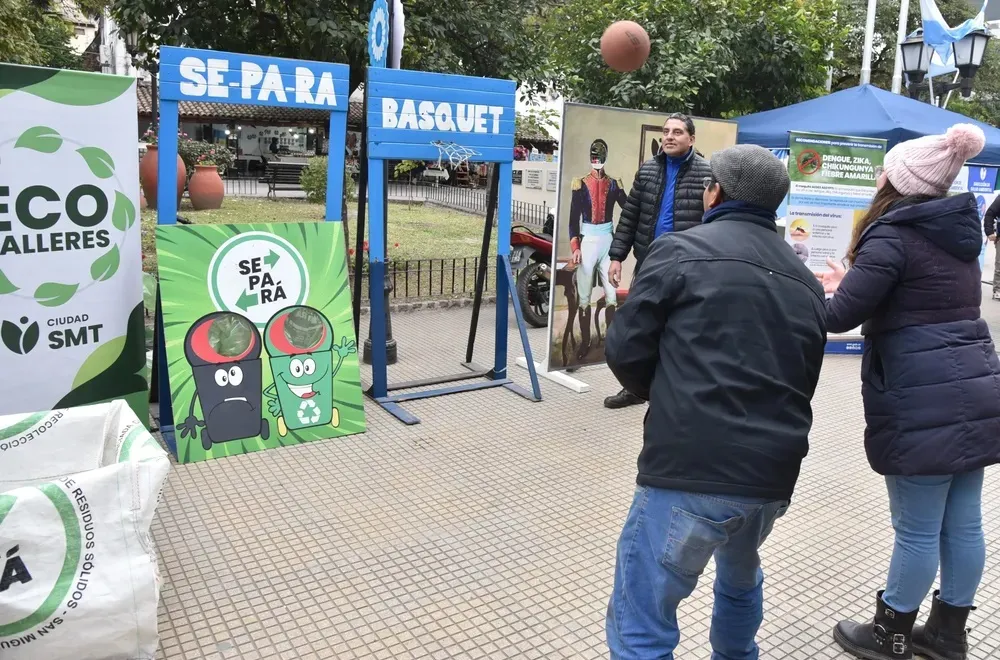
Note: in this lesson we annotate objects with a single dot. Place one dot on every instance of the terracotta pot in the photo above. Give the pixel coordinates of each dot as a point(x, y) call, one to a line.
point(148, 176)
point(205, 188)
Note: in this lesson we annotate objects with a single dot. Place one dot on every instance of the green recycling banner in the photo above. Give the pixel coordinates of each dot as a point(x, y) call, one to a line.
point(259, 336)
point(71, 314)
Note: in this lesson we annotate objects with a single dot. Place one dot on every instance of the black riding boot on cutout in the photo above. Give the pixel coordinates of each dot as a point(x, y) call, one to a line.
point(584, 349)
point(944, 636)
point(887, 637)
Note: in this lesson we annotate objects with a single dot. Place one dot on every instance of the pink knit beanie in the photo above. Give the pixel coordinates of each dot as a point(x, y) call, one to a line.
point(929, 165)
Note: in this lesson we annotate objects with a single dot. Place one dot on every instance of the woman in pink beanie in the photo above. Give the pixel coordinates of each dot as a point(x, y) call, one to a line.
point(931, 388)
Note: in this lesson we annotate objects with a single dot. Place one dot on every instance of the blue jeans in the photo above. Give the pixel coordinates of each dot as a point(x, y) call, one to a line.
point(936, 519)
point(666, 543)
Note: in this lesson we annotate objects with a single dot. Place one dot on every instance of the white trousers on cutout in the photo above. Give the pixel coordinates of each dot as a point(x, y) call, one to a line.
point(594, 249)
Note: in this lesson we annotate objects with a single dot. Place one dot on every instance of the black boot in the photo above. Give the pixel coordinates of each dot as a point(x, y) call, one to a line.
point(609, 315)
point(888, 637)
point(623, 399)
point(944, 636)
point(584, 349)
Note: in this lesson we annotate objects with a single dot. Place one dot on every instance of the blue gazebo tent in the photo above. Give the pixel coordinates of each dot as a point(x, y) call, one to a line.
point(865, 111)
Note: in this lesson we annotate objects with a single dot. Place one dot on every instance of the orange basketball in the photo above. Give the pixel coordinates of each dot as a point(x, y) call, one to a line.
point(625, 46)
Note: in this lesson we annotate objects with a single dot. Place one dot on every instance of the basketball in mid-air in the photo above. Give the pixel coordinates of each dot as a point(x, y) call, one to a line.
point(625, 46)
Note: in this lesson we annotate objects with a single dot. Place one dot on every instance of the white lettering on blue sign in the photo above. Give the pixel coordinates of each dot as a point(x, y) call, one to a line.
point(209, 77)
point(434, 116)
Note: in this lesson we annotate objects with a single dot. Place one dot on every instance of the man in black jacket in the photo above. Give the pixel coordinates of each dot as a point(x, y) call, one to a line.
point(666, 197)
point(723, 333)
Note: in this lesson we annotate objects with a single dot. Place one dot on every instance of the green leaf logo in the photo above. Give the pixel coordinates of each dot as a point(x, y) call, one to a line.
point(99, 162)
point(106, 265)
point(53, 294)
point(17, 340)
point(6, 286)
point(6, 504)
point(123, 216)
point(40, 138)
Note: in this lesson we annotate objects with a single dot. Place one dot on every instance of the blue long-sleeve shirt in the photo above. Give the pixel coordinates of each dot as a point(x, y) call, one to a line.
point(665, 221)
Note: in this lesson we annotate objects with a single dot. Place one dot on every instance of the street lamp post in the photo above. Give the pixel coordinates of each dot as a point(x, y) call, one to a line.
point(968, 53)
point(151, 65)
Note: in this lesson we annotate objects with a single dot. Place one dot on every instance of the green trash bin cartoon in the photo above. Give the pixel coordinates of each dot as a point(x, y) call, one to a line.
point(300, 343)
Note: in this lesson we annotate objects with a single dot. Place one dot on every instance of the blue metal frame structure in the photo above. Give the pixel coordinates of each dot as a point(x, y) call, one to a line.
point(208, 76)
point(407, 112)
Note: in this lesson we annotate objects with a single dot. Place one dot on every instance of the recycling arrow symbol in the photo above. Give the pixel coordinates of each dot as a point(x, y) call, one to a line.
point(271, 258)
point(247, 300)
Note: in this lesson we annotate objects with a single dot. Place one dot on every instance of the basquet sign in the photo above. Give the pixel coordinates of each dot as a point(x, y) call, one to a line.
point(413, 113)
point(71, 313)
point(424, 116)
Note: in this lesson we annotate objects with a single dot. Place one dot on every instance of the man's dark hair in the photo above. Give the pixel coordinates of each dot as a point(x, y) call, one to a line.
point(684, 119)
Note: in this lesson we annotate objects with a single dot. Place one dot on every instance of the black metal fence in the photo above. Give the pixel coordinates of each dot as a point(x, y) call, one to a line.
point(240, 184)
point(416, 279)
point(472, 200)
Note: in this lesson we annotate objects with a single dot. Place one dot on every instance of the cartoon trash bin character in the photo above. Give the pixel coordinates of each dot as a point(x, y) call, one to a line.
point(223, 349)
point(300, 343)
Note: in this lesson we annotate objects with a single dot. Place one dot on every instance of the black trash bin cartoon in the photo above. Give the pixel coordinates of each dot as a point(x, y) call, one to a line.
point(223, 349)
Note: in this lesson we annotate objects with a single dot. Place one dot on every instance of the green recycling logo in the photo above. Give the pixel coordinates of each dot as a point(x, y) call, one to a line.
point(17, 559)
point(19, 338)
point(257, 274)
point(34, 208)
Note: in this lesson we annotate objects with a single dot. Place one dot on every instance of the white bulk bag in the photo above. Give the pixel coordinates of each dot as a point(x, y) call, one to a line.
point(78, 573)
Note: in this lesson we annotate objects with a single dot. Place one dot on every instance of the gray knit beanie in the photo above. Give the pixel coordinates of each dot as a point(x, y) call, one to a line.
point(752, 174)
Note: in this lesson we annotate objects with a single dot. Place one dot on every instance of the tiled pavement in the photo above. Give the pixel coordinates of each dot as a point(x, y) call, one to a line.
point(489, 530)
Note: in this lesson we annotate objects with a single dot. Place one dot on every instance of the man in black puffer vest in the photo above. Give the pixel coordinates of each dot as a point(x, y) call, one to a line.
point(666, 197)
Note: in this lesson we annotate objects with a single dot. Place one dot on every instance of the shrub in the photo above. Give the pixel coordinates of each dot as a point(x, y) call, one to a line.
point(314, 180)
point(196, 152)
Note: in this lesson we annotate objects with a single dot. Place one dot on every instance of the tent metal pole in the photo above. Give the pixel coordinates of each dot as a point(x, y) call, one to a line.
point(897, 69)
point(944, 106)
point(866, 58)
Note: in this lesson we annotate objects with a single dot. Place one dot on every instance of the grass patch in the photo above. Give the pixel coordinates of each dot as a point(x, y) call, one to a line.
point(416, 231)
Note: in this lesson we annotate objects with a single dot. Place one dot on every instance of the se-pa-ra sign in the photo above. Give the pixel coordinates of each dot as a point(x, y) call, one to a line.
point(252, 80)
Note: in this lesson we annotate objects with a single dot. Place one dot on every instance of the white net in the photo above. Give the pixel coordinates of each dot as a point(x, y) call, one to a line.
point(456, 153)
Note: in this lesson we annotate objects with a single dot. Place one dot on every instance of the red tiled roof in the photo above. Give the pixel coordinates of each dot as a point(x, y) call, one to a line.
point(225, 112)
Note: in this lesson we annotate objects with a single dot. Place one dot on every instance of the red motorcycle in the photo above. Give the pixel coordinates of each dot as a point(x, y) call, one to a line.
point(530, 261)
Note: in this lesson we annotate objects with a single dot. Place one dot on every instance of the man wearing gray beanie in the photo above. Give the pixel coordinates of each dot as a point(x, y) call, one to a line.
point(723, 333)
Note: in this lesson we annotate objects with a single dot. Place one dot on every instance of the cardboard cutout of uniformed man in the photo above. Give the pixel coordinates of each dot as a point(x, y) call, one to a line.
point(591, 230)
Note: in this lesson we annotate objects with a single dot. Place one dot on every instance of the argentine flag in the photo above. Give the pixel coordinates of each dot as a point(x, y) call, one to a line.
point(940, 37)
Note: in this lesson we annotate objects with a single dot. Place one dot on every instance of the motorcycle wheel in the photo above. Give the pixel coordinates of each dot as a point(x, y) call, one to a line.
point(533, 292)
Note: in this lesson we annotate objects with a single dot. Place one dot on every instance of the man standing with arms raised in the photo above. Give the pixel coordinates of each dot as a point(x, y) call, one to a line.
point(723, 333)
point(666, 197)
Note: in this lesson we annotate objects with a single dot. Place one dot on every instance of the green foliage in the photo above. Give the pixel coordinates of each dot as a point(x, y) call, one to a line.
point(710, 57)
point(196, 152)
point(495, 38)
point(985, 103)
point(535, 122)
point(213, 154)
point(314, 179)
point(851, 16)
point(405, 166)
point(30, 33)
